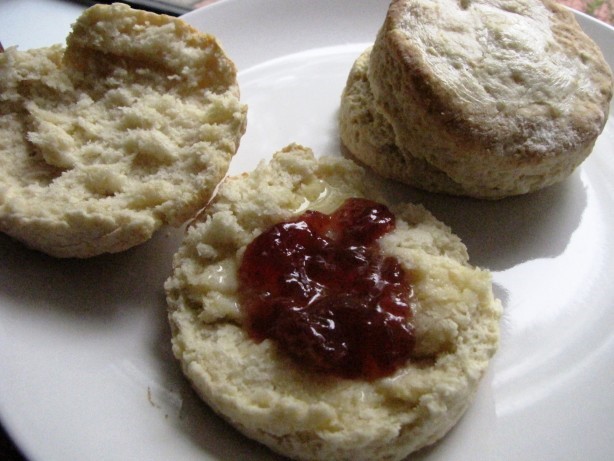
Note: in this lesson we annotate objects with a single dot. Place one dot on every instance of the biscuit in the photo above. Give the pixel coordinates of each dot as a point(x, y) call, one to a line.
point(299, 412)
point(504, 97)
point(129, 127)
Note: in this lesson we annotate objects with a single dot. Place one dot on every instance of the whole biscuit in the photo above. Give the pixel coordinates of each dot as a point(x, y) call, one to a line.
point(505, 97)
point(128, 128)
point(301, 413)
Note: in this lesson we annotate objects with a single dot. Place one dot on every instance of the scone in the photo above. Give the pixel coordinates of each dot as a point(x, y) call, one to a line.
point(129, 127)
point(367, 136)
point(282, 399)
point(504, 97)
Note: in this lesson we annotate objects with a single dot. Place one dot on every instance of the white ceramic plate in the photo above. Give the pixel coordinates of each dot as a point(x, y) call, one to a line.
point(86, 371)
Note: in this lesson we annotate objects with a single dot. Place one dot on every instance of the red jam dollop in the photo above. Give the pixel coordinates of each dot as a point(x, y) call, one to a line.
point(321, 288)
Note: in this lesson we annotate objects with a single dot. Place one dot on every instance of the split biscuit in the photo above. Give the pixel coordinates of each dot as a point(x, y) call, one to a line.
point(129, 127)
point(299, 412)
point(504, 97)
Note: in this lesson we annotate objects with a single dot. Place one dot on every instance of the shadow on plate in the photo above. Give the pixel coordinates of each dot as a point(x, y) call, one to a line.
point(86, 289)
point(504, 233)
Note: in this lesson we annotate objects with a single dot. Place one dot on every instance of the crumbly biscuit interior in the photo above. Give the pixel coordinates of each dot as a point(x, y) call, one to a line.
point(130, 126)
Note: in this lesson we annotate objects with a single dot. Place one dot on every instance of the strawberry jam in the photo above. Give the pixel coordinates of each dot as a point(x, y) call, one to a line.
point(321, 288)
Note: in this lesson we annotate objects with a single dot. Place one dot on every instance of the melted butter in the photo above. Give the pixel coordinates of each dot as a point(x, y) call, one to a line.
point(321, 196)
point(220, 276)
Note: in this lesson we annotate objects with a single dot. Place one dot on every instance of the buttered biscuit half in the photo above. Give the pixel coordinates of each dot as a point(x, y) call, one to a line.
point(324, 322)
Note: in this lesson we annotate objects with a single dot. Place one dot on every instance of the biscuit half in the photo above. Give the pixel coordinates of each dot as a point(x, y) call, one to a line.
point(129, 127)
point(503, 97)
point(301, 413)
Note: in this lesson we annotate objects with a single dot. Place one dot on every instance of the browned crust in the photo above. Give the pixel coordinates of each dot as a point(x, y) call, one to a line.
point(480, 149)
point(426, 97)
